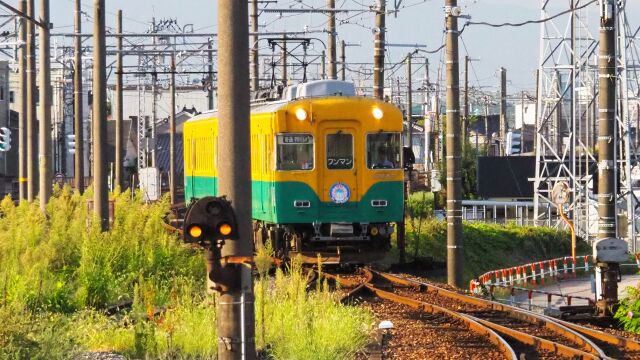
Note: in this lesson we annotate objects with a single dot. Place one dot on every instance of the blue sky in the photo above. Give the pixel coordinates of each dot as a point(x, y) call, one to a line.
point(418, 21)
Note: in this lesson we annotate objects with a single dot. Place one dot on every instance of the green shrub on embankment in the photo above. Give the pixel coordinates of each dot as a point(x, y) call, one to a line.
point(59, 273)
point(490, 246)
point(628, 313)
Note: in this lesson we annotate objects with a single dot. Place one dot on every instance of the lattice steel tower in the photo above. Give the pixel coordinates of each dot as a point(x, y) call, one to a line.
point(567, 114)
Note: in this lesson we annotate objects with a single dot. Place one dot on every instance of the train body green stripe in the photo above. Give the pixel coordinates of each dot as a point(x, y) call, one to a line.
point(273, 202)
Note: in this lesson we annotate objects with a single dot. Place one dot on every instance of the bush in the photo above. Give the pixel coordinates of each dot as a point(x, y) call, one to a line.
point(491, 246)
point(64, 263)
point(628, 313)
point(58, 273)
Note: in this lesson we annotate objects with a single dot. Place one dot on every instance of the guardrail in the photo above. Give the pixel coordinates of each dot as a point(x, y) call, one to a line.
point(522, 278)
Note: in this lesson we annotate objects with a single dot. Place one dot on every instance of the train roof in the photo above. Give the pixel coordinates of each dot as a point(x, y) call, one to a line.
point(312, 89)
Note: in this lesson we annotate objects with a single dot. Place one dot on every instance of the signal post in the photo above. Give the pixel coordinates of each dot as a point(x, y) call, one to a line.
point(608, 250)
point(236, 332)
point(455, 253)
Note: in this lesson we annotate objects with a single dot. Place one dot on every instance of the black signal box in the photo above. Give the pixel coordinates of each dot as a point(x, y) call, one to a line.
point(210, 219)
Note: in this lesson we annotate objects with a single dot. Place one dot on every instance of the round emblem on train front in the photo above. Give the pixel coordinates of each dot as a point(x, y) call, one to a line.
point(339, 193)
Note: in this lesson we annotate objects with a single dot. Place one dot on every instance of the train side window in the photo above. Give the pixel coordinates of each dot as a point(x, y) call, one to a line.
point(339, 151)
point(294, 152)
point(383, 151)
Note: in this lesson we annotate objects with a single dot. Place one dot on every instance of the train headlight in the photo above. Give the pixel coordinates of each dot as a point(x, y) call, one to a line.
point(301, 114)
point(377, 113)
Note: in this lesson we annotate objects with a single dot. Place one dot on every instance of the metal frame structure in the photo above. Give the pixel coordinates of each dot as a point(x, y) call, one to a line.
point(564, 145)
point(567, 114)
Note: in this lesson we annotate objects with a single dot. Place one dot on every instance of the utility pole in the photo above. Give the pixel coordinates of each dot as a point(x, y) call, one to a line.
point(378, 50)
point(323, 68)
point(235, 308)
point(284, 60)
point(154, 103)
point(44, 148)
point(78, 128)
point(607, 272)
point(427, 122)
point(255, 58)
point(333, 69)
point(22, 121)
point(465, 119)
point(409, 105)
point(455, 253)
point(343, 60)
point(32, 170)
point(100, 194)
point(210, 59)
point(487, 135)
point(119, 113)
point(172, 133)
point(503, 111)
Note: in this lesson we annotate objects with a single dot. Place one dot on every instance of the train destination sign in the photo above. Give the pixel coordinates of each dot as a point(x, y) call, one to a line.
point(295, 139)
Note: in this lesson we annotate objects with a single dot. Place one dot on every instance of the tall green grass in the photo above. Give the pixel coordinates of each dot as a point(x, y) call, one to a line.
point(58, 273)
point(490, 246)
point(324, 329)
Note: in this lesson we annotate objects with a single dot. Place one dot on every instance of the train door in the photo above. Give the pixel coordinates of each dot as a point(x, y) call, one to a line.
point(338, 173)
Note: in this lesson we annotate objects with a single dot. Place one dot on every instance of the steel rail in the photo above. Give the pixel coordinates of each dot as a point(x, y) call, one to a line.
point(538, 342)
point(614, 340)
point(516, 313)
point(469, 322)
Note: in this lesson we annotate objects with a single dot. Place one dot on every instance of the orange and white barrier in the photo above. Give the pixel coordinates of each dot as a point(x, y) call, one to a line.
point(533, 274)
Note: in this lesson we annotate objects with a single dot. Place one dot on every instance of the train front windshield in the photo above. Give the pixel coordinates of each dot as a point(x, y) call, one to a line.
point(383, 151)
point(295, 152)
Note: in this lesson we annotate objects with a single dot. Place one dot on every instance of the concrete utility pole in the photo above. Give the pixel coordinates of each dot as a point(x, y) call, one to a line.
point(427, 122)
point(487, 136)
point(32, 169)
point(44, 148)
point(331, 29)
point(503, 111)
point(607, 194)
point(409, 105)
point(210, 90)
point(323, 64)
point(119, 113)
point(78, 128)
point(284, 60)
point(378, 50)
point(154, 103)
point(172, 133)
point(455, 253)
point(235, 308)
point(343, 60)
point(100, 191)
point(22, 121)
point(255, 58)
point(465, 119)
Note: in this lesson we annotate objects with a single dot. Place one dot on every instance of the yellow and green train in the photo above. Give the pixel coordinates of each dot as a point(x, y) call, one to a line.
point(326, 167)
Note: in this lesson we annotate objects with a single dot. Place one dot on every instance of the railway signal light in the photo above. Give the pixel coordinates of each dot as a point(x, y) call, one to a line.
point(210, 219)
point(5, 139)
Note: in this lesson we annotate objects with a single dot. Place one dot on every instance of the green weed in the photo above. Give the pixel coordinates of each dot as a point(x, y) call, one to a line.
point(490, 246)
point(58, 274)
point(628, 313)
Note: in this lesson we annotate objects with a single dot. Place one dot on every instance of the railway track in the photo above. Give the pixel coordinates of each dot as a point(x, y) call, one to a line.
point(513, 331)
point(431, 331)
